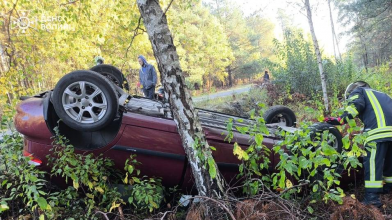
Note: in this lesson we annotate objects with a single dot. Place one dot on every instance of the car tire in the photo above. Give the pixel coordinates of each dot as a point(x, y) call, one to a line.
point(280, 114)
point(319, 128)
point(113, 74)
point(85, 100)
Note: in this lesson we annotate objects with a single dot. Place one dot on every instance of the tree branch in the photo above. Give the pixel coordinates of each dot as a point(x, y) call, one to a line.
point(164, 214)
point(104, 214)
point(219, 203)
point(164, 13)
point(135, 33)
point(68, 3)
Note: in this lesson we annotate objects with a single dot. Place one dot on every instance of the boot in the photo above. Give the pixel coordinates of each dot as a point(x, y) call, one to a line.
point(387, 188)
point(372, 198)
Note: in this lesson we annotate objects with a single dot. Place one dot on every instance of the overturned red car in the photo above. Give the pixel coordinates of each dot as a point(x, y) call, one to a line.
point(98, 117)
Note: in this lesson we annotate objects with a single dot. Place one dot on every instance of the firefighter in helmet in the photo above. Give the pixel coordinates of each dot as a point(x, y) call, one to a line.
point(374, 109)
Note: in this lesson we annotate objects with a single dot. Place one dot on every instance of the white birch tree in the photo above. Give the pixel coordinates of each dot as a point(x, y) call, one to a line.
point(318, 54)
point(205, 171)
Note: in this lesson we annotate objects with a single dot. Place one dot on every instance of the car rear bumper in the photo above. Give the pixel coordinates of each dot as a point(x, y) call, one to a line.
point(37, 152)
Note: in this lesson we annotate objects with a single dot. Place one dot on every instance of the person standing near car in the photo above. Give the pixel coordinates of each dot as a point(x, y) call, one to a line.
point(266, 77)
point(374, 108)
point(147, 77)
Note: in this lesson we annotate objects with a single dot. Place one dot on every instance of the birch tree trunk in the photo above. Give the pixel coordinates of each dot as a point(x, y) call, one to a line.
point(335, 41)
point(205, 171)
point(4, 65)
point(318, 54)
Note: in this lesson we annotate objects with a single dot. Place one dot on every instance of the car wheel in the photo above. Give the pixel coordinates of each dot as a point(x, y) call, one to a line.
point(335, 141)
point(113, 74)
point(336, 138)
point(280, 114)
point(85, 100)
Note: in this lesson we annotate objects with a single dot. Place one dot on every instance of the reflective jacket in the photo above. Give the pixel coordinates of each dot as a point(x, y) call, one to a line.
point(374, 108)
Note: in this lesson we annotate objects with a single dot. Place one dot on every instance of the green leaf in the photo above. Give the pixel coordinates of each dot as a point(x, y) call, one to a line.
point(241, 154)
point(137, 180)
point(211, 167)
point(4, 207)
point(328, 150)
point(259, 139)
point(99, 189)
point(126, 178)
point(315, 188)
point(310, 209)
point(130, 169)
point(33, 178)
point(352, 123)
point(42, 192)
point(91, 196)
point(90, 185)
point(242, 130)
point(326, 162)
point(76, 184)
point(42, 203)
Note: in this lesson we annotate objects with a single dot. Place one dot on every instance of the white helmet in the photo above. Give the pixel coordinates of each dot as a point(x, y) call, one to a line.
point(353, 86)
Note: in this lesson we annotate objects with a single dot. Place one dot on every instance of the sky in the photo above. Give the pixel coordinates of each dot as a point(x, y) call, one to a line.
point(321, 19)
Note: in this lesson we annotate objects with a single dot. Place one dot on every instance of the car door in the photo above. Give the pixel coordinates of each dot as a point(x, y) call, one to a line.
point(157, 145)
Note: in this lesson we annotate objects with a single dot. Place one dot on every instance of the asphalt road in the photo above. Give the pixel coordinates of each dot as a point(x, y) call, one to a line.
point(222, 93)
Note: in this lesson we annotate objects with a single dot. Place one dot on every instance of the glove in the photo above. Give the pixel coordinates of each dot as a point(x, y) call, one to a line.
point(333, 121)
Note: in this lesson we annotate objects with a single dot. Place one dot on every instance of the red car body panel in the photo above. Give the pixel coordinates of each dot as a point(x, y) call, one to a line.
point(154, 140)
point(30, 122)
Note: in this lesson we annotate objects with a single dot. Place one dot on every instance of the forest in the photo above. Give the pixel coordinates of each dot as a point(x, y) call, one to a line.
point(219, 46)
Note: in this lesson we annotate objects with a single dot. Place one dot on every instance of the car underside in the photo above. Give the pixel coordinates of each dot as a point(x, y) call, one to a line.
point(136, 125)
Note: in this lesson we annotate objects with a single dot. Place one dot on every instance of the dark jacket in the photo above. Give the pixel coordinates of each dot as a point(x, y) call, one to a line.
point(266, 76)
point(374, 108)
point(147, 75)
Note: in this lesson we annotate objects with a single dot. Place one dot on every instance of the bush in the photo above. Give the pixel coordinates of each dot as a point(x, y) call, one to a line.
point(90, 176)
point(25, 191)
point(145, 193)
point(303, 157)
point(297, 71)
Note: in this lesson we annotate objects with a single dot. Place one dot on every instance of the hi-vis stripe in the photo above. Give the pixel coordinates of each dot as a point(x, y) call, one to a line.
point(379, 136)
point(352, 98)
point(377, 108)
point(380, 130)
point(352, 111)
point(388, 179)
point(373, 164)
point(373, 184)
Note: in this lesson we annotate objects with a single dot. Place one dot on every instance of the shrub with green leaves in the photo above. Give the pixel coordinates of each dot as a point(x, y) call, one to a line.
point(255, 159)
point(297, 71)
point(23, 189)
point(90, 175)
point(145, 194)
point(304, 155)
